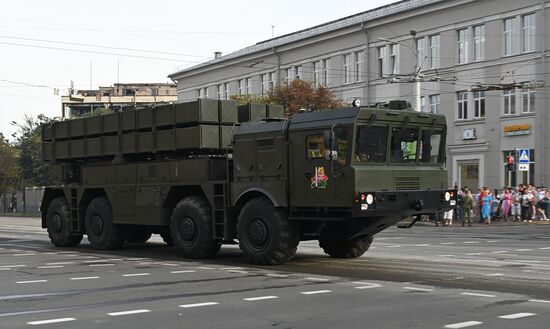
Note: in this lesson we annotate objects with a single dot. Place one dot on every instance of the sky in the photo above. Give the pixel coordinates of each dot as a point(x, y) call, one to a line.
point(44, 45)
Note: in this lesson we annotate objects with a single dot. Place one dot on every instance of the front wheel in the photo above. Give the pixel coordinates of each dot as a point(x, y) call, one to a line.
point(346, 248)
point(191, 227)
point(58, 223)
point(266, 236)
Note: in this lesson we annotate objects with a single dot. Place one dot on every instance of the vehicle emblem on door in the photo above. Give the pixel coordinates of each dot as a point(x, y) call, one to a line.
point(320, 180)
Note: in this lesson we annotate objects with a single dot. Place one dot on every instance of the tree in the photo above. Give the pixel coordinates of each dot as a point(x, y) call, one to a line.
point(33, 170)
point(245, 99)
point(300, 94)
point(9, 169)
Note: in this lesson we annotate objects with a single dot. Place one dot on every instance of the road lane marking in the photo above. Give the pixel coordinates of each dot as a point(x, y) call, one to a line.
point(524, 249)
point(516, 316)
point(394, 246)
point(99, 265)
point(418, 289)
point(36, 323)
point(446, 255)
point(470, 242)
point(128, 312)
point(499, 252)
point(238, 271)
point(31, 281)
point(316, 279)
point(539, 301)
point(253, 299)
point(136, 274)
point(5, 269)
point(30, 254)
point(183, 271)
point(448, 243)
point(51, 266)
point(277, 275)
point(494, 274)
point(85, 278)
point(492, 241)
point(463, 324)
point(60, 263)
point(474, 254)
point(367, 285)
point(198, 304)
point(206, 268)
point(477, 295)
point(12, 266)
point(545, 248)
point(315, 292)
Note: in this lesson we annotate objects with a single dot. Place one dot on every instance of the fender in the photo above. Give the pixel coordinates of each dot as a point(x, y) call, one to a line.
point(260, 191)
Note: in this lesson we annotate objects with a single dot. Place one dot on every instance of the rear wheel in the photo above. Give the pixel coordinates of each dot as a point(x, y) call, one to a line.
point(266, 236)
point(102, 233)
point(58, 223)
point(191, 227)
point(346, 248)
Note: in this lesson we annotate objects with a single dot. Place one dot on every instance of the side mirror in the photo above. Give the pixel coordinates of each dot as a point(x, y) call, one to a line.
point(331, 155)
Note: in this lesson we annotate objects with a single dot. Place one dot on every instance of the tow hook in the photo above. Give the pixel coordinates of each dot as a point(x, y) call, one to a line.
point(418, 205)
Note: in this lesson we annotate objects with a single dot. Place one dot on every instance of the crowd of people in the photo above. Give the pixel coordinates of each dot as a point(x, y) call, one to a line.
point(524, 203)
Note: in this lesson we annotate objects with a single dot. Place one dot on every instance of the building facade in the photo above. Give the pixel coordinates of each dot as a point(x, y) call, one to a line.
point(483, 64)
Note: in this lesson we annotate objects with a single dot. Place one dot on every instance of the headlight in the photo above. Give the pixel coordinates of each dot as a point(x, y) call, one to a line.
point(447, 196)
point(370, 199)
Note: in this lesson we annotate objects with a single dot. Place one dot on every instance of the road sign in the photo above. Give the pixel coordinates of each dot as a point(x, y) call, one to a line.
point(523, 156)
point(523, 167)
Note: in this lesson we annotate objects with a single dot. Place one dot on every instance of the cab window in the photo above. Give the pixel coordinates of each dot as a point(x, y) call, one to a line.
point(404, 142)
point(315, 146)
point(341, 142)
point(430, 146)
point(371, 144)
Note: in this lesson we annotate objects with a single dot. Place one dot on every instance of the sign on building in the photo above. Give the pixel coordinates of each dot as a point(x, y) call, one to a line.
point(523, 156)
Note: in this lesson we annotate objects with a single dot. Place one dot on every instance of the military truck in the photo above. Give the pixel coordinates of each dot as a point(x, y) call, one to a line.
point(209, 172)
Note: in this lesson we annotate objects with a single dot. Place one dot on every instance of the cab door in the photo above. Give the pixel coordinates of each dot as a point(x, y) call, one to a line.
point(312, 183)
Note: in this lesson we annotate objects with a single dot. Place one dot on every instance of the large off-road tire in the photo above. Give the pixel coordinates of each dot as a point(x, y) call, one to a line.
point(191, 227)
point(346, 248)
point(138, 236)
point(102, 233)
point(266, 236)
point(58, 223)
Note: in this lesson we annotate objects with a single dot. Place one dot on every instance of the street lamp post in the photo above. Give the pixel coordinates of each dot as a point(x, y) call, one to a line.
point(417, 68)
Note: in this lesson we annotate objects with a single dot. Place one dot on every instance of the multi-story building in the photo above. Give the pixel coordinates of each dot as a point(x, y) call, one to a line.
point(481, 63)
point(117, 97)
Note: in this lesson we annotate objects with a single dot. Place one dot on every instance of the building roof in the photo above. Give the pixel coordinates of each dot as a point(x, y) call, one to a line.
point(331, 26)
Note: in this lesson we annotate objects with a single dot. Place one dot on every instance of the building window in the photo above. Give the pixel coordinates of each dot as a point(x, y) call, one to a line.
point(297, 72)
point(202, 93)
point(347, 68)
point(271, 81)
point(326, 72)
point(422, 104)
point(394, 59)
point(382, 61)
point(528, 29)
point(219, 91)
point(479, 42)
point(435, 103)
point(247, 86)
point(288, 75)
point(462, 46)
point(434, 51)
point(509, 102)
point(226, 90)
point(462, 97)
point(479, 104)
point(420, 53)
point(240, 90)
point(359, 66)
point(510, 35)
point(528, 97)
point(317, 73)
point(263, 84)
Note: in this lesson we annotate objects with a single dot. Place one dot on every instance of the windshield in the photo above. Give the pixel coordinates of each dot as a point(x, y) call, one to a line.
point(404, 142)
point(371, 144)
point(430, 146)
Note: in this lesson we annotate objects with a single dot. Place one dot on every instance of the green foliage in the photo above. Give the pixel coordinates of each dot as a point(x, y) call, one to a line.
point(9, 169)
point(33, 170)
point(258, 99)
point(300, 94)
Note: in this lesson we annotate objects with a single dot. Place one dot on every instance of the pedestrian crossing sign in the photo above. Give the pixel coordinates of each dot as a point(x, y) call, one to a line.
point(523, 156)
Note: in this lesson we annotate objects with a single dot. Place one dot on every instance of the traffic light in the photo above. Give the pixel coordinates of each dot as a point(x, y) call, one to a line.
point(510, 163)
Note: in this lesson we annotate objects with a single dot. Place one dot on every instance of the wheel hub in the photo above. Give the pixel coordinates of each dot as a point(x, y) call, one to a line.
point(97, 225)
point(187, 229)
point(57, 223)
point(257, 233)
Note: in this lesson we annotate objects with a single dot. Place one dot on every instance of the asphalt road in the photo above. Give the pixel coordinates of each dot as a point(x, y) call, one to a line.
point(424, 277)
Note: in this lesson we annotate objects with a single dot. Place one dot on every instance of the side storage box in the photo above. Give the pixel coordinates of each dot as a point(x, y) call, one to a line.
point(198, 137)
point(252, 112)
point(199, 111)
point(47, 151)
point(76, 127)
point(93, 125)
point(110, 145)
point(61, 150)
point(128, 143)
point(110, 123)
point(61, 129)
point(144, 118)
point(146, 142)
point(77, 149)
point(228, 111)
point(128, 120)
point(226, 136)
point(93, 147)
point(275, 111)
point(166, 140)
point(46, 132)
